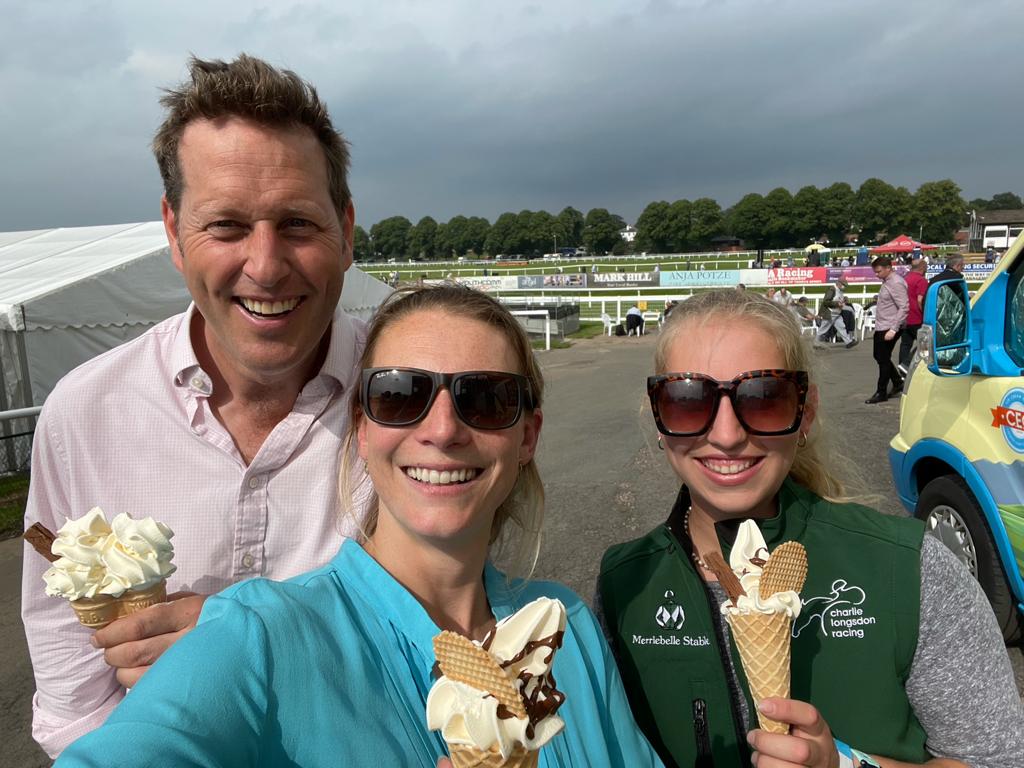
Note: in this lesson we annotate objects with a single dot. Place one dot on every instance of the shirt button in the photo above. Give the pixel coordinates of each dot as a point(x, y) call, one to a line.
point(198, 383)
point(254, 482)
point(248, 560)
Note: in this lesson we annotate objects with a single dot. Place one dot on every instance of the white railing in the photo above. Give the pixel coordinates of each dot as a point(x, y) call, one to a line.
point(547, 322)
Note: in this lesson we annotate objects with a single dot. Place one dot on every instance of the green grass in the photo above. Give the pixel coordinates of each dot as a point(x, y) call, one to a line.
point(588, 331)
point(13, 491)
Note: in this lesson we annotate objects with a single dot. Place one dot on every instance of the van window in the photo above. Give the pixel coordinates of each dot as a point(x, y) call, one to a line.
point(1015, 315)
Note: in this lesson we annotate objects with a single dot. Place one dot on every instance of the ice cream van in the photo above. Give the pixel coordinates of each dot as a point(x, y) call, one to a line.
point(958, 459)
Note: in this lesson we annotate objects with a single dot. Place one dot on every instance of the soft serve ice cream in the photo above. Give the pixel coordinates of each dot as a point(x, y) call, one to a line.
point(499, 696)
point(747, 560)
point(108, 570)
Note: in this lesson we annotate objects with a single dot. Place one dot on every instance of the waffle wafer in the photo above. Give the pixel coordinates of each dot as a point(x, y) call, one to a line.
point(785, 571)
point(463, 661)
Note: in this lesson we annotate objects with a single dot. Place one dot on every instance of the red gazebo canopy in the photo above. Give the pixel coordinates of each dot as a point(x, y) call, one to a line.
point(901, 244)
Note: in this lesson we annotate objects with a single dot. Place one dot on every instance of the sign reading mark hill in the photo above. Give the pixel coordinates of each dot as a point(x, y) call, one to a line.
point(624, 279)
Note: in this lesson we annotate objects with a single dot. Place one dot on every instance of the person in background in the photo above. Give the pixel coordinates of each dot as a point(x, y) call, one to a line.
point(917, 287)
point(803, 312)
point(890, 316)
point(634, 321)
point(891, 622)
point(953, 270)
point(333, 668)
point(782, 297)
point(223, 422)
point(832, 306)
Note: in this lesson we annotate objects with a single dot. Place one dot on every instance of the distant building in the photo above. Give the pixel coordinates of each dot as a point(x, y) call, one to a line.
point(628, 234)
point(997, 229)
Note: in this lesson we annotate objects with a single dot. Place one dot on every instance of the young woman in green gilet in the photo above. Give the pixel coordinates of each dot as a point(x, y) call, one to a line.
point(895, 653)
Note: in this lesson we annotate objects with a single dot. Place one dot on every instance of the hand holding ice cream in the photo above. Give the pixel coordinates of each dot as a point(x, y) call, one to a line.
point(496, 701)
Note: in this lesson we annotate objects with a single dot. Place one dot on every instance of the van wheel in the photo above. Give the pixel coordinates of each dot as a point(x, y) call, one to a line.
point(954, 517)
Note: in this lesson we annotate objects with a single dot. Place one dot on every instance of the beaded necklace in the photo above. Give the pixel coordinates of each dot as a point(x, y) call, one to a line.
point(697, 559)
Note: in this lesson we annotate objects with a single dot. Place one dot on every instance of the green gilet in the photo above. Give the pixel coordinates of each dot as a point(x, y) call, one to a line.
point(852, 647)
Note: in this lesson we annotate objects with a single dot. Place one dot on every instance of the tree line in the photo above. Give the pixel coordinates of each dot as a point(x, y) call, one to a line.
point(778, 219)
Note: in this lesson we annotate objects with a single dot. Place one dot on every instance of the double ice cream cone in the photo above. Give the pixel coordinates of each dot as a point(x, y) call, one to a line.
point(97, 612)
point(106, 571)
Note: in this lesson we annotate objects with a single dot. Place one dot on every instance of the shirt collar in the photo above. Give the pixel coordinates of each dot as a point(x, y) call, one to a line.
point(343, 349)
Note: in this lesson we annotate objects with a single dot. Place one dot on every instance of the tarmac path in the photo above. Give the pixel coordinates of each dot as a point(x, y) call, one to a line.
point(606, 482)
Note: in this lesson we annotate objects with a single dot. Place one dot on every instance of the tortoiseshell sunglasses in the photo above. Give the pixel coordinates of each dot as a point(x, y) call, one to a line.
point(766, 402)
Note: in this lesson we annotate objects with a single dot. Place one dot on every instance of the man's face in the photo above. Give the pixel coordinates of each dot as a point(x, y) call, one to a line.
point(882, 272)
point(260, 245)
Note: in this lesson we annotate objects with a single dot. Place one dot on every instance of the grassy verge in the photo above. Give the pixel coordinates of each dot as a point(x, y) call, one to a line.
point(588, 331)
point(13, 491)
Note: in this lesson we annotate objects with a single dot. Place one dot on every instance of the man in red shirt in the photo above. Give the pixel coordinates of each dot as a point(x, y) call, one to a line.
point(917, 287)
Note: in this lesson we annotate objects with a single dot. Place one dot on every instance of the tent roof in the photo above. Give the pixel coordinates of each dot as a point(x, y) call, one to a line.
point(39, 262)
point(901, 244)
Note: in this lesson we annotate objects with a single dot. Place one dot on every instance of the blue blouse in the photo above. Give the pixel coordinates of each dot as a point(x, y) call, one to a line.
point(333, 668)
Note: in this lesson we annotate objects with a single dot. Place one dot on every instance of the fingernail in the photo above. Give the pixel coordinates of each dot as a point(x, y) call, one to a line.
point(766, 707)
point(92, 641)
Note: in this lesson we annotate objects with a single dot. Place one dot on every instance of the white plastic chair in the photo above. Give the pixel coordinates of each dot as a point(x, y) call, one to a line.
point(609, 325)
point(867, 322)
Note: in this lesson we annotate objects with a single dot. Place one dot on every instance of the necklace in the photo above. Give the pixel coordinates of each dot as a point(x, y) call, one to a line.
point(697, 559)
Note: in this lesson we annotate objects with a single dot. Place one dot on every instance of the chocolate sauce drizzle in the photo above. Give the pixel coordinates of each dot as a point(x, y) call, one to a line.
point(545, 698)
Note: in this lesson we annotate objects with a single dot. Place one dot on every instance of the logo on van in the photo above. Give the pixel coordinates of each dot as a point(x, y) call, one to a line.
point(1009, 418)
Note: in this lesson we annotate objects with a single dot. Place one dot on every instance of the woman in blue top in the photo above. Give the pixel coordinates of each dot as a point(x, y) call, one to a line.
point(333, 667)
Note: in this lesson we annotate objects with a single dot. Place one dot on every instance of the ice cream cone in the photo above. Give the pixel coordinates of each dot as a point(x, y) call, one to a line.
point(763, 642)
point(97, 612)
point(470, 757)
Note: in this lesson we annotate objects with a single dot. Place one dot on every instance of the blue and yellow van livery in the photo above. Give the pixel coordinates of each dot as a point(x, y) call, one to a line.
point(958, 459)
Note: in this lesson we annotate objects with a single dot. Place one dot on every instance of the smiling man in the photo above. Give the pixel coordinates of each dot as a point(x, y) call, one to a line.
point(224, 422)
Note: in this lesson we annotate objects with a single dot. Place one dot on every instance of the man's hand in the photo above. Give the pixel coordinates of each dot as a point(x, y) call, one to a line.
point(809, 742)
point(890, 335)
point(132, 644)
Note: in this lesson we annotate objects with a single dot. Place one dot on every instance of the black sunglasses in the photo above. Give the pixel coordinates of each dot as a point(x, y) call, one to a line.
point(400, 397)
point(766, 402)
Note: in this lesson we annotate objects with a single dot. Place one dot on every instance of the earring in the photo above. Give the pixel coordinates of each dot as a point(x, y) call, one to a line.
point(802, 440)
point(661, 446)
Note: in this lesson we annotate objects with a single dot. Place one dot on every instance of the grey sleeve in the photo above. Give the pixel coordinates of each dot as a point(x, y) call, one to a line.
point(961, 685)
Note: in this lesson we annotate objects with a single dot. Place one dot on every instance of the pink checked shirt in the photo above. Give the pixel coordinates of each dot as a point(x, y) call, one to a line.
point(131, 431)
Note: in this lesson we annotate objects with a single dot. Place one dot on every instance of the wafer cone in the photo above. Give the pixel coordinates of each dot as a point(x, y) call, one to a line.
point(785, 571)
point(763, 643)
point(97, 612)
point(470, 757)
point(465, 662)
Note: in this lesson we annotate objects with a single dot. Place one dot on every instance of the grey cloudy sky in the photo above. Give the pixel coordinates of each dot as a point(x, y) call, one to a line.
point(475, 107)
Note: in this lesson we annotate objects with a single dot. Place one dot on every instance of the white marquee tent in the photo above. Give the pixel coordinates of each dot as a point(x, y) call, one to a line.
point(66, 295)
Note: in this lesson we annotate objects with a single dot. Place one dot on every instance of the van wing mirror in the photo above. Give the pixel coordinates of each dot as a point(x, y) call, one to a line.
point(944, 341)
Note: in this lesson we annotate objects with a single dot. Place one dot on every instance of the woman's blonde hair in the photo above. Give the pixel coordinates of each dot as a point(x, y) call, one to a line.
point(745, 309)
point(524, 506)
